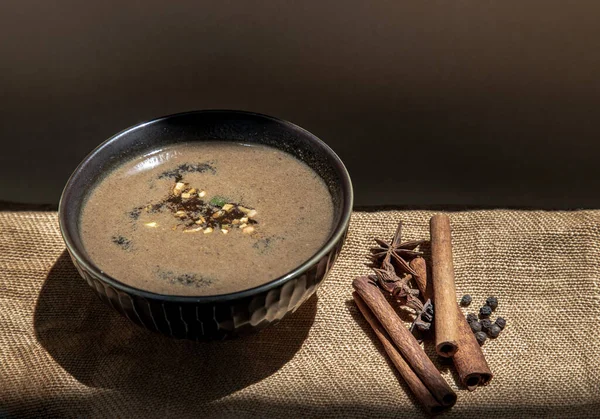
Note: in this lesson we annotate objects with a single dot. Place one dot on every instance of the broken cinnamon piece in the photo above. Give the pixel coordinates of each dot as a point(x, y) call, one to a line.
point(423, 281)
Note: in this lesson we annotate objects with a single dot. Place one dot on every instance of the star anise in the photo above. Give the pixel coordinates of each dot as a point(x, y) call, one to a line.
point(396, 251)
point(424, 318)
point(398, 287)
point(388, 280)
point(384, 257)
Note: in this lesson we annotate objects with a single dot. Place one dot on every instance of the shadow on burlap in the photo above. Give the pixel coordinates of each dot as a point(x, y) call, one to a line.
point(64, 353)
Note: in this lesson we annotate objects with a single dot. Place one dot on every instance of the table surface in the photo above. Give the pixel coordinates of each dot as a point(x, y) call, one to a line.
point(64, 353)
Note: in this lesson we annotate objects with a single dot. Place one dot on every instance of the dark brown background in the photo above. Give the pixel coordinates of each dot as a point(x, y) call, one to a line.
point(427, 102)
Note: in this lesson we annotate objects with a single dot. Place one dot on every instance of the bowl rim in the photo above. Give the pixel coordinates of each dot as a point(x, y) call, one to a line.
point(335, 237)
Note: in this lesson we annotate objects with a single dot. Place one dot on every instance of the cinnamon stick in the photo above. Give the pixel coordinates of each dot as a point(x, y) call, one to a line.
point(421, 278)
point(405, 342)
point(444, 290)
point(472, 368)
point(414, 383)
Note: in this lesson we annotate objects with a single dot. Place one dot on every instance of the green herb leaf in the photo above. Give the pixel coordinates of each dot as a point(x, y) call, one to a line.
point(218, 201)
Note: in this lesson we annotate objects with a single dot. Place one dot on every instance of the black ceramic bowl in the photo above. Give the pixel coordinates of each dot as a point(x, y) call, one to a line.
point(218, 316)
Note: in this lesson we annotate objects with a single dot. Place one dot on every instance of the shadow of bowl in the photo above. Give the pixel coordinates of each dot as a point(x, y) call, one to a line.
point(102, 349)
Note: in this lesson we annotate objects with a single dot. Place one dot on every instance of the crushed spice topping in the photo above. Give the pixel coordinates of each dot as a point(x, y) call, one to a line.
point(195, 214)
point(179, 171)
point(121, 241)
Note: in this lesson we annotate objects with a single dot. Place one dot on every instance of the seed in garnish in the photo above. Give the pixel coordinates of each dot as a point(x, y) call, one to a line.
point(243, 209)
point(200, 220)
point(218, 214)
point(202, 194)
point(178, 188)
point(248, 230)
point(192, 230)
point(186, 195)
point(152, 224)
point(208, 230)
point(192, 191)
point(180, 213)
point(224, 231)
point(243, 225)
point(251, 214)
point(235, 222)
point(244, 220)
point(227, 207)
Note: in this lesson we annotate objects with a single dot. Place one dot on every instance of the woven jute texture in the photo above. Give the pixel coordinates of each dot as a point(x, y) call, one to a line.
point(64, 353)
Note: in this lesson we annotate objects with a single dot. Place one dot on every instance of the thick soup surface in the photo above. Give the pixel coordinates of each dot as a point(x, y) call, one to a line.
point(206, 218)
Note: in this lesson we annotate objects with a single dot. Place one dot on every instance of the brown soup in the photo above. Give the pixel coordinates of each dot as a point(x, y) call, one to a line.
point(206, 218)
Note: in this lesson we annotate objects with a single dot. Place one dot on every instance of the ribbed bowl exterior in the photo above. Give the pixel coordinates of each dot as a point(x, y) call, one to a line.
point(211, 321)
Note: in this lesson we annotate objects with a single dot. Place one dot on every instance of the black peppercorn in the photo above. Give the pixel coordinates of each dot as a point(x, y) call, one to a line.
point(475, 326)
point(485, 312)
point(486, 324)
point(465, 300)
point(481, 337)
point(492, 302)
point(494, 331)
point(471, 318)
point(501, 322)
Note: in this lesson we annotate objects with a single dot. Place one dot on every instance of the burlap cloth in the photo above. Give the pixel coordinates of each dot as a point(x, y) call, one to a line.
point(63, 353)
